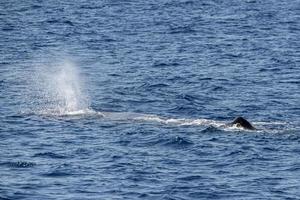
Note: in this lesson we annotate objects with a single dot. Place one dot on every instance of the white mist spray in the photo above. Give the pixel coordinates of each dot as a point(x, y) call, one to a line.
point(68, 88)
point(59, 90)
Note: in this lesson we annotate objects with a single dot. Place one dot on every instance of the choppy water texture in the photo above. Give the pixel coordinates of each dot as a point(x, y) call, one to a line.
point(129, 99)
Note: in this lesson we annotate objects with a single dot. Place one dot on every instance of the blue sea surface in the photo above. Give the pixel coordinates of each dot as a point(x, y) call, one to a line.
point(131, 99)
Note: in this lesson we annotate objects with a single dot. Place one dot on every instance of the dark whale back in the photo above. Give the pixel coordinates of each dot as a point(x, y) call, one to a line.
point(241, 122)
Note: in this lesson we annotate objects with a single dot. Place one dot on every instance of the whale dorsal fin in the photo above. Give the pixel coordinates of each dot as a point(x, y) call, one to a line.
point(242, 122)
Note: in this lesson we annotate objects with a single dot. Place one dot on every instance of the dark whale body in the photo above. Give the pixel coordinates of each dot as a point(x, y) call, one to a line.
point(242, 122)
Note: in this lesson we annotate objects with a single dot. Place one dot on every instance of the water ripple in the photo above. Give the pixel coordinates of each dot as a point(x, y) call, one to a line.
point(18, 164)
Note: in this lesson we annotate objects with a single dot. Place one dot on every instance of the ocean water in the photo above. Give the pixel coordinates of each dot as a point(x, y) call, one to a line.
point(130, 99)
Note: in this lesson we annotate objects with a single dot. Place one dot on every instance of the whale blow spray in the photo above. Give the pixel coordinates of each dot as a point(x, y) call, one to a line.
point(60, 89)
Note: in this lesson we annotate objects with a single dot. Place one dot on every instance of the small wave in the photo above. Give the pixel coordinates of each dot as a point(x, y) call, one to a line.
point(210, 129)
point(178, 142)
point(19, 164)
point(57, 173)
point(182, 29)
point(36, 6)
point(62, 170)
point(52, 21)
point(68, 22)
point(191, 178)
point(49, 155)
point(165, 64)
